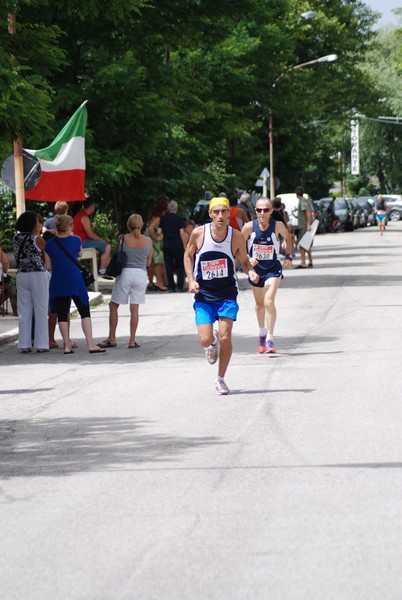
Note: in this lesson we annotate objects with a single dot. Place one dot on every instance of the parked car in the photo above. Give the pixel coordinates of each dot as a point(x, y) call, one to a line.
point(394, 206)
point(358, 215)
point(367, 208)
point(318, 215)
point(200, 212)
point(342, 210)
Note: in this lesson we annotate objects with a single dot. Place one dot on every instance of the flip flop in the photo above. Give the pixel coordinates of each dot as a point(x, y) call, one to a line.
point(107, 344)
point(98, 351)
point(134, 345)
point(53, 345)
point(68, 352)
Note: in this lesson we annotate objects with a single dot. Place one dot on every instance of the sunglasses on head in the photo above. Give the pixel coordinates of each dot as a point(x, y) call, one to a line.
point(262, 210)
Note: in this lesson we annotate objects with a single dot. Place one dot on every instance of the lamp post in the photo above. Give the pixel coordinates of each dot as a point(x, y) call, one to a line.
point(327, 58)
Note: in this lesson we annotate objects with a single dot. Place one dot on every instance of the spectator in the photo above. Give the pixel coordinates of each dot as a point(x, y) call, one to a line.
point(157, 267)
point(60, 208)
point(89, 239)
point(130, 286)
point(332, 220)
point(277, 213)
point(246, 204)
point(189, 227)
point(305, 215)
point(174, 240)
point(4, 266)
point(67, 283)
point(237, 215)
point(32, 283)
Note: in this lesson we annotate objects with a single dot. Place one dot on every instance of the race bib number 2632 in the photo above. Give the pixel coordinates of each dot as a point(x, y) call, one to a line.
point(214, 269)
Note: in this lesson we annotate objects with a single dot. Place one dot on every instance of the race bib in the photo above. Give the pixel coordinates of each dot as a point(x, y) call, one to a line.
point(261, 252)
point(214, 269)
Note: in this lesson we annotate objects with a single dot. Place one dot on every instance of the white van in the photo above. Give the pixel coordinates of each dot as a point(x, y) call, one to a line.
point(291, 202)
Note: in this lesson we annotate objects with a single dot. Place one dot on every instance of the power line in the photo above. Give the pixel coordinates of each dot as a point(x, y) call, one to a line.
point(386, 120)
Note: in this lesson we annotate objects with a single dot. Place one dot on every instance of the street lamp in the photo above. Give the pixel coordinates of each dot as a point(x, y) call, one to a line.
point(327, 58)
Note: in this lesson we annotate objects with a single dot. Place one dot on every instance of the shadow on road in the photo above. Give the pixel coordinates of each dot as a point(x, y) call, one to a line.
point(57, 447)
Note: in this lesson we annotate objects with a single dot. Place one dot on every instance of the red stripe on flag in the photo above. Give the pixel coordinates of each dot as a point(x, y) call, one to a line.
point(66, 186)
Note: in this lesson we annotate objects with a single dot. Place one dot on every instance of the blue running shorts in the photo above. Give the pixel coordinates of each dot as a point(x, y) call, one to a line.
point(380, 217)
point(209, 312)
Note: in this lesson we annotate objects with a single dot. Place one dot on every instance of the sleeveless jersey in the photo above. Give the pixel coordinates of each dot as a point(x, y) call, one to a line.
point(264, 246)
point(214, 268)
point(381, 204)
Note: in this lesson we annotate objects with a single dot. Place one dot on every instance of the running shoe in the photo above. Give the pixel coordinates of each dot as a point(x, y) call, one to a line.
point(261, 344)
point(221, 388)
point(269, 347)
point(211, 353)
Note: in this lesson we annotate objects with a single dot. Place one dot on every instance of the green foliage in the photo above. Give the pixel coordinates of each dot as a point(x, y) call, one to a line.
point(104, 226)
point(7, 220)
point(27, 60)
point(179, 93)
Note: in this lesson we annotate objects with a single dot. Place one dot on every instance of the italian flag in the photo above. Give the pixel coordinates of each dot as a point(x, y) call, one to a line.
point(63, 163)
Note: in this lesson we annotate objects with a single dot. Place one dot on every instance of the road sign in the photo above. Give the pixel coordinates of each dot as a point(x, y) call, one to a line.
point(32, 171)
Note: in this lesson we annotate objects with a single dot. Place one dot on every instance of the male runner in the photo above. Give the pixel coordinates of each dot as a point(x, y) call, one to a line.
point(209, 262)
point(262, 236)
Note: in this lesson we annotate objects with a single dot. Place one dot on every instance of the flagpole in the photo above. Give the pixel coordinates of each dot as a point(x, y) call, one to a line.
point(19, 177)
point(18, 159)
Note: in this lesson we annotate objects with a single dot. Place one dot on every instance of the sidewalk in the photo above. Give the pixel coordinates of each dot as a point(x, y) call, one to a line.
point(9, 323)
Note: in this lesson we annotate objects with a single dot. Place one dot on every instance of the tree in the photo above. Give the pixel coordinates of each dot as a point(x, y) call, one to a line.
point(27, 60)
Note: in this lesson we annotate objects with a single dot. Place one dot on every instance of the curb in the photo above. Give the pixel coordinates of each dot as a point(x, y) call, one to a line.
point(12, 334)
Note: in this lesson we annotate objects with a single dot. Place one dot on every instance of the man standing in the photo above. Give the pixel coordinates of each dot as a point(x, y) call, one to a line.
point(246, 204)
point(263, 238)
point(305, 217)
point(82, 227)
point(209, 261)
point(174, 240)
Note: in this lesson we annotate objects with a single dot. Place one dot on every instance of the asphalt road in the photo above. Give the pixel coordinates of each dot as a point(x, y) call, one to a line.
point(124, 476)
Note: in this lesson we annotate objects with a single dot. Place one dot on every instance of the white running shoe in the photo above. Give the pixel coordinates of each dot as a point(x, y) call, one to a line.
point(211, 353)
point(221, 388)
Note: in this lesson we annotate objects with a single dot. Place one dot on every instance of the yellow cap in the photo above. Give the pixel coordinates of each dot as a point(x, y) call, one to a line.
point(220, 201)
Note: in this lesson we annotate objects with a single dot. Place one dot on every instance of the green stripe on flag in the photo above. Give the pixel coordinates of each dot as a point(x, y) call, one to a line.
point(75, 127)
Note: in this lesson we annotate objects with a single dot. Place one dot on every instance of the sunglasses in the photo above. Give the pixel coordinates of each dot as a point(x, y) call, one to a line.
point(262, 210)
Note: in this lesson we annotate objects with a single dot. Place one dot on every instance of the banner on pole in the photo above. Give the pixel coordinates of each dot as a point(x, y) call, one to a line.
point(354, 142)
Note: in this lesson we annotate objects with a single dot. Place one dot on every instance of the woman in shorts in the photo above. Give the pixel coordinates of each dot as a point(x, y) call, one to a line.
point(130, 286)
point(380, 208)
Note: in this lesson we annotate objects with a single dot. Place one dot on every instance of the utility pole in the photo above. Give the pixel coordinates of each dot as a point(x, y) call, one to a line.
point(18, 158)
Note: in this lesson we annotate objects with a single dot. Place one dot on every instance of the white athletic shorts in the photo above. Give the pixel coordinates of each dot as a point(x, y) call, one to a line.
point(130, 287)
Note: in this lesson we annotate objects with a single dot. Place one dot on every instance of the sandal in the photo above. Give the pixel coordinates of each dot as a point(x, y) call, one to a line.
point(53, 345)
point(135, 345)
point(107, 344)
